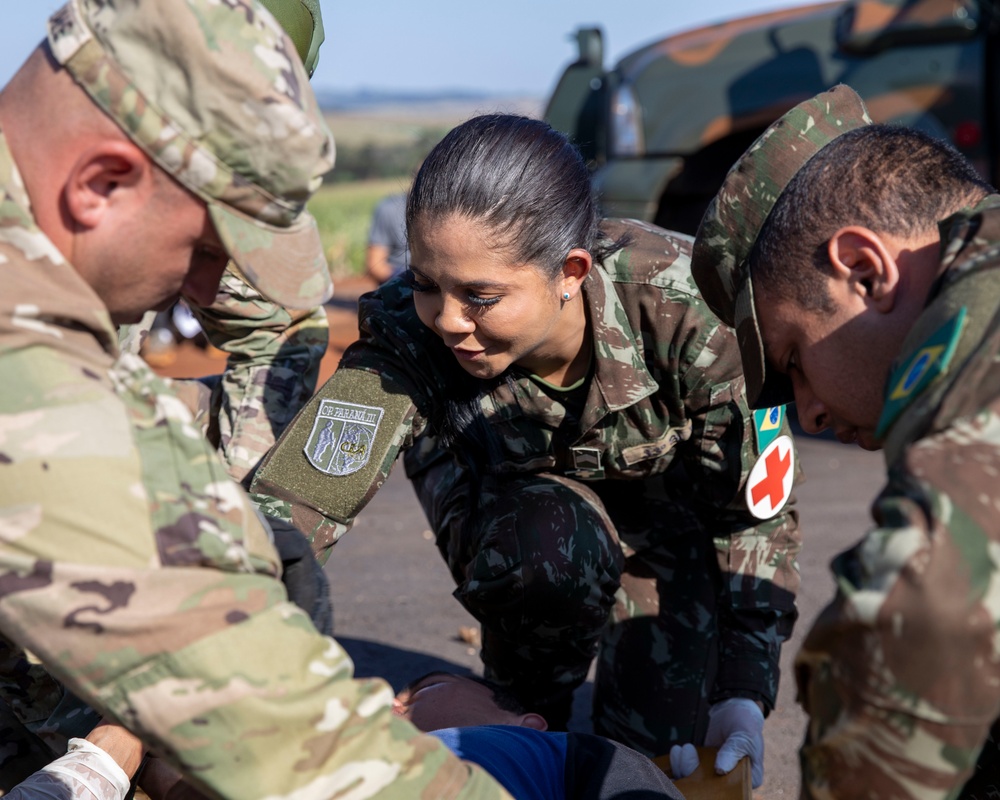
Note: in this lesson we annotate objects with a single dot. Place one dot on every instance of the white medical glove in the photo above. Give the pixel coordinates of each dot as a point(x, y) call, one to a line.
point(736, 727)
point(683, 760)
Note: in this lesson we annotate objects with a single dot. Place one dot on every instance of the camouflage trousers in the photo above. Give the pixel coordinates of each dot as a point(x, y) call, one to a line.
point(557, 574)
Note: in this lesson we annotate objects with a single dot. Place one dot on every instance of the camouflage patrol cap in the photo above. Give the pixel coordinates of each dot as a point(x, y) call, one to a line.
point(214, 93)
point(736, 215)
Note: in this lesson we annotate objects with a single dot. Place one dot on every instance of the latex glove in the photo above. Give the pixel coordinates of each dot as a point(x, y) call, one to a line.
point(736, 727)
point(683, 760)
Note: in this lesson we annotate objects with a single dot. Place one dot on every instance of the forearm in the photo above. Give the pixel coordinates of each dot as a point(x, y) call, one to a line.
point(760, 580)
point(281, 714)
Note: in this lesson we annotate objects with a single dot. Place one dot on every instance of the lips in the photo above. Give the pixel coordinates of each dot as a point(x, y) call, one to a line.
point(466, 355)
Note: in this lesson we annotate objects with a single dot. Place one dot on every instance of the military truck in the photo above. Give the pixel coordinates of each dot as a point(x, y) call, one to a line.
point(662, 127)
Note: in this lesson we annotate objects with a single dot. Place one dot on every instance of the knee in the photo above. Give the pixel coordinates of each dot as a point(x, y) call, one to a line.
point(547, 553)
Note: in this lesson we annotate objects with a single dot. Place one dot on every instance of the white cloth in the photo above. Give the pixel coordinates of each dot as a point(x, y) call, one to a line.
point(86, 772)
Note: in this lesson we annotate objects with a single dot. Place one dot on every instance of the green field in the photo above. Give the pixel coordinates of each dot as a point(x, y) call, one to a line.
point(344, 213)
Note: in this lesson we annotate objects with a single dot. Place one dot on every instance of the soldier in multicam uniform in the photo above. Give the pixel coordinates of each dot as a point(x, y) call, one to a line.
point(576, 430)
point(274, 358)
point(143, 145)
point(860, 265)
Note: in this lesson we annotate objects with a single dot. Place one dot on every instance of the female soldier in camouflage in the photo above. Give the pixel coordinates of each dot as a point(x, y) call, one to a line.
point(577, 432)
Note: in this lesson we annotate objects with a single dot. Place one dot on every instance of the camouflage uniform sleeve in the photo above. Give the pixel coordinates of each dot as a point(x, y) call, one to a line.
point(899, 674)
point(339, 451)
point(142, 578)
point(757, 557)
point(272, 368)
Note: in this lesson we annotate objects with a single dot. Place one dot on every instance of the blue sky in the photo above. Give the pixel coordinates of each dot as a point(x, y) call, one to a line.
point(508, 47)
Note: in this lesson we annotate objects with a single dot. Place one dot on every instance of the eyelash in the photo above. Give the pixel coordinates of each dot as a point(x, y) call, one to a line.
point(479, 302)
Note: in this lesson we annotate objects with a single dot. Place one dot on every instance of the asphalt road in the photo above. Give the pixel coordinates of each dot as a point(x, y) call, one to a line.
point(396, 617)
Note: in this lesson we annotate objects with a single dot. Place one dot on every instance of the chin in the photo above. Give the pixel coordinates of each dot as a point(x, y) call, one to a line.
point(482, 370)
point(867, 441)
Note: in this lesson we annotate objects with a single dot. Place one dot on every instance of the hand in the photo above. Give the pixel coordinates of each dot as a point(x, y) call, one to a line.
point(683, 760)
point(736, 727)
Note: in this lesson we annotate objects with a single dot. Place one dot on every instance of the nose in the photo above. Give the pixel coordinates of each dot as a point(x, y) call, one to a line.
point(814, 417)
point(452, 317)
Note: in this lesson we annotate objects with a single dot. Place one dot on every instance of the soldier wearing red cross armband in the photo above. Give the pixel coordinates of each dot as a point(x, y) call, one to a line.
point(860, 266)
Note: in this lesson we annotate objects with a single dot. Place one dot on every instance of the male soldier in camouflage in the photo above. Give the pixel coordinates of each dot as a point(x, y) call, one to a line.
point(575, 428)
point(274, 357)
point(860, 265)
point(144, 144)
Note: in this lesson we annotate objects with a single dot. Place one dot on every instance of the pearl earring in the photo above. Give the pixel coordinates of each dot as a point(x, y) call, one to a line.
point(565, 295)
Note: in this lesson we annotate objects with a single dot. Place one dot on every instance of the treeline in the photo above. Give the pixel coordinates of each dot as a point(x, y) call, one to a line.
point(374, 160)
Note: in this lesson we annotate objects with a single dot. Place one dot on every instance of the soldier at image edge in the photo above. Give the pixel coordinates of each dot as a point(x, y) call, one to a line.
point(859, 264)
point(274, 358)
point(150, 142)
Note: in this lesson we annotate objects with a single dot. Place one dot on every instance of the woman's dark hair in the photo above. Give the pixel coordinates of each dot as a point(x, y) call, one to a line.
point(522, 180)
point(530, 188)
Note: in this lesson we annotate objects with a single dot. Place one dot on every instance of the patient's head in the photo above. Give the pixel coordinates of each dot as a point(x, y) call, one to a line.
point(444, 700)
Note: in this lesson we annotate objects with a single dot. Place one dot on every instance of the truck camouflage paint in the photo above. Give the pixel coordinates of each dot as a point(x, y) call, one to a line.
point(664, 125)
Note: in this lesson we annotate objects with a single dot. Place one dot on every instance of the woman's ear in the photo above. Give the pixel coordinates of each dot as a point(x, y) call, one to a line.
point(575, 270)
point(107, 175)
point(865, 264)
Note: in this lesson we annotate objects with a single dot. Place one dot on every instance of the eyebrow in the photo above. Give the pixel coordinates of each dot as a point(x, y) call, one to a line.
point(478, 285)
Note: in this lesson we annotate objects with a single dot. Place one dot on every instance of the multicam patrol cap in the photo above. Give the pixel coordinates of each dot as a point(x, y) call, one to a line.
point(215, 94)
point(736, 215)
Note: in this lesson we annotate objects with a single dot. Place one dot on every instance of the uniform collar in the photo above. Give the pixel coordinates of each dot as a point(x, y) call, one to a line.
point(620, 375)
point(955, 315)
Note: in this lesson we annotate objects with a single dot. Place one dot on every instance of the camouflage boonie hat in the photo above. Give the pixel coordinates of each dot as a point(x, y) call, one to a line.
point(214, 93)
point(735, 216)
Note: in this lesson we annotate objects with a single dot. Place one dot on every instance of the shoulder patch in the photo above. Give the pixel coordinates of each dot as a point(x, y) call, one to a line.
point(770, 483)
point(342, 436)
point(928, 362)
point(767, 424)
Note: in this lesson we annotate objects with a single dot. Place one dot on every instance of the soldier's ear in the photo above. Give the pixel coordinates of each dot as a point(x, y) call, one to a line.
point(575, 270)
point(108, 176)
point(534, 721)
point(864, 264)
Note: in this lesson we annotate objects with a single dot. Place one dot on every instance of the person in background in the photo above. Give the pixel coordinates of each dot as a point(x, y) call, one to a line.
point(387, 253)
point(146, 144)
point(860, 264)
point(573, 421)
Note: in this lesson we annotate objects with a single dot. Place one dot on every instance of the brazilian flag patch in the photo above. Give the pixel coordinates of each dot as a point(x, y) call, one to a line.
point(767, 425)
point(929, 361)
